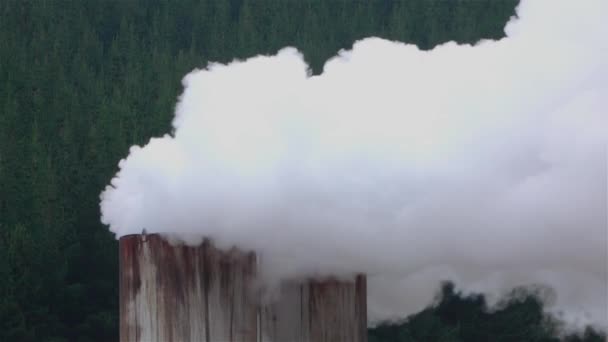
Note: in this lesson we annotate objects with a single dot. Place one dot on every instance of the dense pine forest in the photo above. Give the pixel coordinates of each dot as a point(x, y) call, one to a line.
point(81, 81)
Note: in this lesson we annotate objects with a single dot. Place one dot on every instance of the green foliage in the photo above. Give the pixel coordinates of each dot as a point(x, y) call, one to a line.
point(81, 81)
point(458, 317)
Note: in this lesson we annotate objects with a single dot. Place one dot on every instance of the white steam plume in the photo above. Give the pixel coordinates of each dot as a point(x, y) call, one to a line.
point(481, 164)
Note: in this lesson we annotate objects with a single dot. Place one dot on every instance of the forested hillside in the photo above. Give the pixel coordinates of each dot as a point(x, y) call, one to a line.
point(455, 317)
point(81, 81)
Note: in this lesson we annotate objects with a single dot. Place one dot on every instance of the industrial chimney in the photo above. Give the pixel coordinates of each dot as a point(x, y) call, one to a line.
point(187, 293)
point(318, 310)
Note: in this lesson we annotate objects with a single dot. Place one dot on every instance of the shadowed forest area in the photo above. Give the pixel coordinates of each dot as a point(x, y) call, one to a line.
point(82, 81)
point(455, 317)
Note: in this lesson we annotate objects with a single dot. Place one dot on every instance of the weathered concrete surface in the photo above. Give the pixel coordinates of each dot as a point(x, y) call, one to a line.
point(177, 293)
point(317, 311)
point(181, 293)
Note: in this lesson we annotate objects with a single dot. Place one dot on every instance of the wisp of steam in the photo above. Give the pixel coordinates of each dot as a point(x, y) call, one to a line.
point(485, 165)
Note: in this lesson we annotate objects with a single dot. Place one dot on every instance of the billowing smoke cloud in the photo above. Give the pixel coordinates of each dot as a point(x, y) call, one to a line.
point(485, 164)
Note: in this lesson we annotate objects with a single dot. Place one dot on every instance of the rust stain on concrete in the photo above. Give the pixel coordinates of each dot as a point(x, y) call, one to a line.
point(185, 293)
point(318, 310)
point(180, 293)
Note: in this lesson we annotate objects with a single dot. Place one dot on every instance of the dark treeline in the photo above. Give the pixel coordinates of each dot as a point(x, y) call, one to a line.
point(466, 318)
point(81, 81)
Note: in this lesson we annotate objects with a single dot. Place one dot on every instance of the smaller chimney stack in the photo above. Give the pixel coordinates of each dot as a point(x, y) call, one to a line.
point(330, 310)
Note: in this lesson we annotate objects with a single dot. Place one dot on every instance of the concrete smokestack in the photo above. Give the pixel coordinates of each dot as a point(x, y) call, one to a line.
point(183, 293)
point(318, 311)
point(200, 293)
